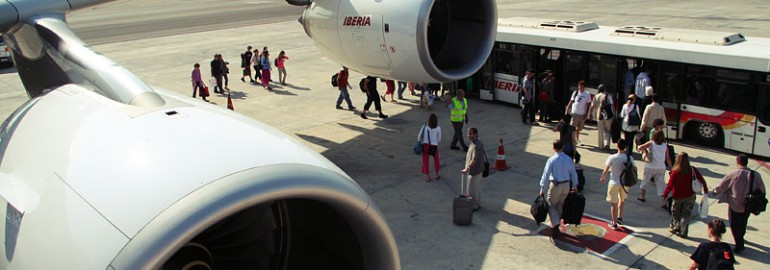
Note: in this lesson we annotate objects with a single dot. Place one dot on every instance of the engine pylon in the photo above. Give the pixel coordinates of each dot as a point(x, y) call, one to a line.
point(500, 161)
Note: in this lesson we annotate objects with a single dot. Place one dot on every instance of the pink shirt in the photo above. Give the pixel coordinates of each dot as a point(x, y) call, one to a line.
point(280, 61)
point(196, 75)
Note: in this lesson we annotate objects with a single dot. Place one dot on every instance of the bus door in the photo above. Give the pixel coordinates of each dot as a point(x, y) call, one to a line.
point(762, 135)
point(669, 91)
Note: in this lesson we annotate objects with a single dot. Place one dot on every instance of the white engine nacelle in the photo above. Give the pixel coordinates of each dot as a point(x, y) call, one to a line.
point(409, 40)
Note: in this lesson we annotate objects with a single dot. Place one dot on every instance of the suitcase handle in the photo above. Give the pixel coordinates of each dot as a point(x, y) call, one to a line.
point(464, 190)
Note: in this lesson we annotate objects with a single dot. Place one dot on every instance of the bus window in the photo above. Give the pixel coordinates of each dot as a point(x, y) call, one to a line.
point(670, 85)
point(698, 90)
point(575, 71)
point(736, 96)
point(602, 69)
point(504, 61)
point(764, 105)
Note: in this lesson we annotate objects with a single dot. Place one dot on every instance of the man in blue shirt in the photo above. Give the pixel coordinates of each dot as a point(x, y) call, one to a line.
point(560, 177)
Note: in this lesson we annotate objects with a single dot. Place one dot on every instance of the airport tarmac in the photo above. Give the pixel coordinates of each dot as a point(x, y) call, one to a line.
point(377, 154)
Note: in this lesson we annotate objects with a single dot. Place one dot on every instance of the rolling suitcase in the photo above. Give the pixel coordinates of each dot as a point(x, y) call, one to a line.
point(462, 207)
point(573, 208)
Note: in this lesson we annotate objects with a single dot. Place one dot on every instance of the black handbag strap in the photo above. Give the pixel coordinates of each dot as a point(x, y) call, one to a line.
point(422, 133)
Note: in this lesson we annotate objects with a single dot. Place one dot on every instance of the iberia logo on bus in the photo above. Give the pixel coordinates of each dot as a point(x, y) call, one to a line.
point(357, 21)
point(505, 85)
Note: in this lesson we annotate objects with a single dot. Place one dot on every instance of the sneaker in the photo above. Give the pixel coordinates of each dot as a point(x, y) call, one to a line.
point(338, 107)
point(243, 80)
point(454, 147)
point(620, 221)
point(383, 116)
point(364, 116)
point(352, 108)
point(612, 226)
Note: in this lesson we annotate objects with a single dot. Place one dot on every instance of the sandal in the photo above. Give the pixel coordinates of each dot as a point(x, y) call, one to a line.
point(641, 200)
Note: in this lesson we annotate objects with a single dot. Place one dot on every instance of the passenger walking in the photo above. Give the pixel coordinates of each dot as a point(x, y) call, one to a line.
point(281, 66)
point(216, 72)
point(474, 167)
point(680, 187)
point(528, 98)
point(257, 65)
point(655, 169)
point(246, 64)
point(616, 193)
point(630, 125)
point(723, 254)
point(560, 178)
point(401, 88)
point(197, 82)
point(732, 189)
point(640, 84)
point(343, 86)
point(370, 88)
point(567, 135)
point(430, 134)
point(578, 107)
point(458, 115)
point(603, 124)
point(225, 72)
point(652, 112)
point(391, 89)
point(265, 62)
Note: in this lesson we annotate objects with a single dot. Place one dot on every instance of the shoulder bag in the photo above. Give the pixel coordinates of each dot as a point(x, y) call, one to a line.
point(697, 187)
point(755, 201)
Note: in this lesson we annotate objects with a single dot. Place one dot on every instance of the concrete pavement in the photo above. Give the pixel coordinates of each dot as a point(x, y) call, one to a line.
point(377, 154)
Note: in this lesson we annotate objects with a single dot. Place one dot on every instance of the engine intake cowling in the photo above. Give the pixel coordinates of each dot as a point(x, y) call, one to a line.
point(419, 41)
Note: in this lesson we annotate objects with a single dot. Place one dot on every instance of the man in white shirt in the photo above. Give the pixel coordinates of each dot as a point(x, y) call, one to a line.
point(578, 107)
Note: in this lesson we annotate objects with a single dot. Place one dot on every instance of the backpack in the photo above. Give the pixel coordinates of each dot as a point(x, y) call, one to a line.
point(275, 62)
point(362, 85)
point(629, 176)
point(334, 79)
point(719, 258)
point(633, 117)
point(606, 108)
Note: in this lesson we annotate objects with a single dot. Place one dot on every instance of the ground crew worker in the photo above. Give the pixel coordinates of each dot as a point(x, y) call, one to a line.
point(459, 115)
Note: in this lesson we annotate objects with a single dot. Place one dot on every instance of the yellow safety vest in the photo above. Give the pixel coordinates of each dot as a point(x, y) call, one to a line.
point(459, 110)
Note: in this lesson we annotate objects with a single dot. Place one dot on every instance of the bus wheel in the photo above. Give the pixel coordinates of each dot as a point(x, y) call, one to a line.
point(709, 134)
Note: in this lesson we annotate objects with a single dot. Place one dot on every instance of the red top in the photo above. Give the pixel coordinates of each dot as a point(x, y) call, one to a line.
point(342, 79)
point(680, 184)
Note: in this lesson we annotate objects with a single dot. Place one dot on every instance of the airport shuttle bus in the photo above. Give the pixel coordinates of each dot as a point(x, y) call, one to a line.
point(715, 86)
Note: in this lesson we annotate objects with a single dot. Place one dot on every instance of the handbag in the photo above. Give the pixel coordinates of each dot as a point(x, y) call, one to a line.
point(697, 187)
point(703, 209)
point(755, 201)
point(418, 146)
point(539, 209)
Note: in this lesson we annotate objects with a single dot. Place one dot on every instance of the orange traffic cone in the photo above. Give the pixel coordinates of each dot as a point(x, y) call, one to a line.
point(230, 102)
point(500, 161)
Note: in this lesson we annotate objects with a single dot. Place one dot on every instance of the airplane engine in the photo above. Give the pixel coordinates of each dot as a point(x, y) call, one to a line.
point(99, 170)
point(409, 40)
point(90, 183)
